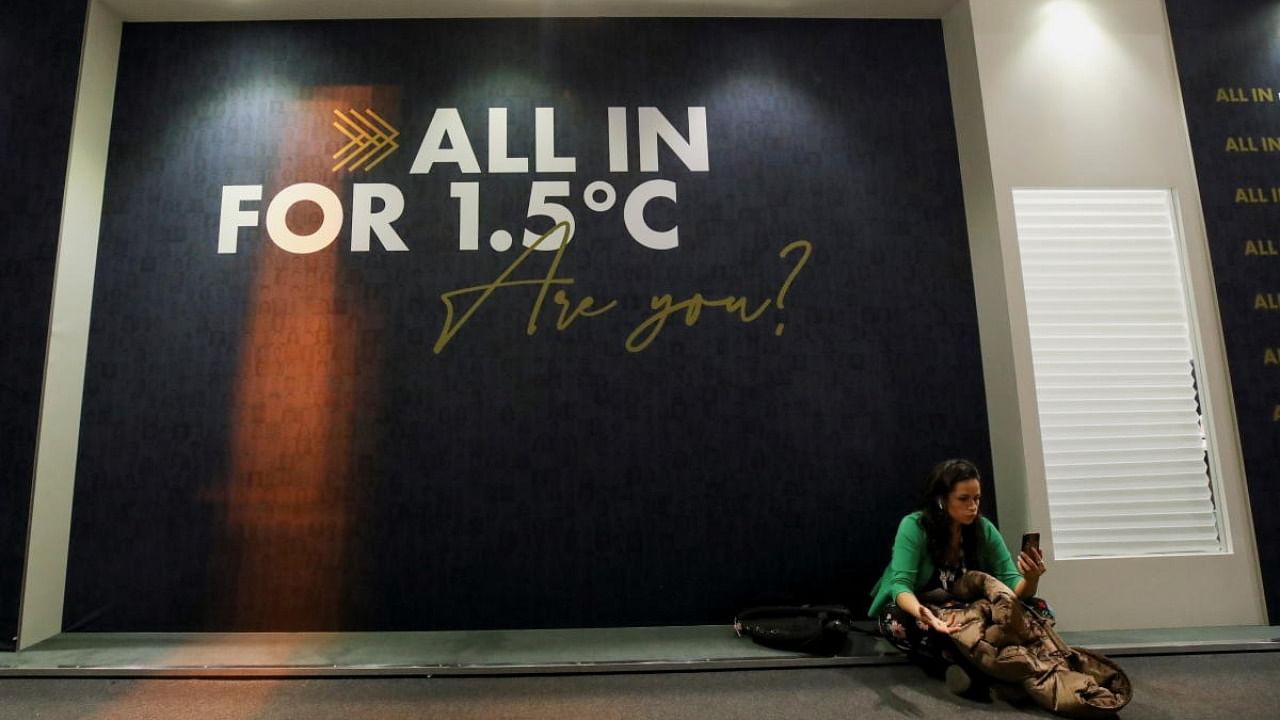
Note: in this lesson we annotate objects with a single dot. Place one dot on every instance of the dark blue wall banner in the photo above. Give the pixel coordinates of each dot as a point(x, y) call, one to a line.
point(39, 60)
point(1230, 73)
point(519, 323)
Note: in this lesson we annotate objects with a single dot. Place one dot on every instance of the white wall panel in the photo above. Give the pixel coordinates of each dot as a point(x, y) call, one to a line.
point(1081, 94)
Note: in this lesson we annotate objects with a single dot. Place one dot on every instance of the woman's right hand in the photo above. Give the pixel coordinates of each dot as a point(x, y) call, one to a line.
point(928, 618)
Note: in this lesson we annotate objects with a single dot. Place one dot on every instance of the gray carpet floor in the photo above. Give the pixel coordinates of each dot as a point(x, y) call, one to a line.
point(1237, 686)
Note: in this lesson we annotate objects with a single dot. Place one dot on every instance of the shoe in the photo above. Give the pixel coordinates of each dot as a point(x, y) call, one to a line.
point(958, 680)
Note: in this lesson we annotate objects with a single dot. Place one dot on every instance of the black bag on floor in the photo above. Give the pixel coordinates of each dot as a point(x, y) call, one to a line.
point(811, 629)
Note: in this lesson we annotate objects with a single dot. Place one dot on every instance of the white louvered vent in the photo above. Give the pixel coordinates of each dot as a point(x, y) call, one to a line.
point(1124, 449)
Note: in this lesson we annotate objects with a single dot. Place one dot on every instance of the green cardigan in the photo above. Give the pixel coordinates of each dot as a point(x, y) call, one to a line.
point(910, 567)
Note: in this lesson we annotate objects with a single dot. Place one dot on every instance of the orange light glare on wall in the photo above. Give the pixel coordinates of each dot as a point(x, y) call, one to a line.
point(293, 414)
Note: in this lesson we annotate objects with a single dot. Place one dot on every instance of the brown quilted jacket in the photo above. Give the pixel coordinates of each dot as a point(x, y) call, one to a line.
point(1013, 645)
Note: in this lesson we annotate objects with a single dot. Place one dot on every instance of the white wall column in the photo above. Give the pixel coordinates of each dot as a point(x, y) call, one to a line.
point(48, 538)
point(1077, 94)
point(1014, 426)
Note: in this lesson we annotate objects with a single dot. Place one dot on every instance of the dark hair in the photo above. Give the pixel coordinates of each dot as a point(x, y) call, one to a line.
point(935, 519)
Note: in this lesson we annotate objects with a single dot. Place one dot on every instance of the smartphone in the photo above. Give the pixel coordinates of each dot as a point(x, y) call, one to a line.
point(1030, 540)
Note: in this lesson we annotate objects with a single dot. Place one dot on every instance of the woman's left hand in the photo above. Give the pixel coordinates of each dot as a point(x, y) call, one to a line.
point(1031, 564)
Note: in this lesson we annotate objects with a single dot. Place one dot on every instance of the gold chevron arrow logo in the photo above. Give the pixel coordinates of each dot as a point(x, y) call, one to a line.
point(370, 140)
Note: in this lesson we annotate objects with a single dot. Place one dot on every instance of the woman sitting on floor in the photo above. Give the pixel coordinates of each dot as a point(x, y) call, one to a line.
point(935, 546)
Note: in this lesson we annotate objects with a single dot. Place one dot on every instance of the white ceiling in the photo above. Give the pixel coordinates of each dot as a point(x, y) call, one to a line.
point(171, 10)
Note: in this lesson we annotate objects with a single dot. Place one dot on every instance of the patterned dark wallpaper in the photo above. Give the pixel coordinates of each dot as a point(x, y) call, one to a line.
point(272, 441)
